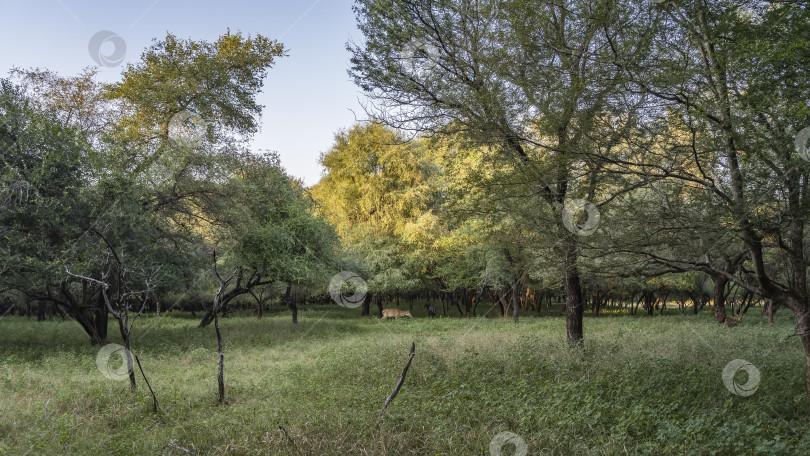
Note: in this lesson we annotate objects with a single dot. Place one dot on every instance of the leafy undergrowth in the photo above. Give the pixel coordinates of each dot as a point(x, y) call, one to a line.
point(644, 385)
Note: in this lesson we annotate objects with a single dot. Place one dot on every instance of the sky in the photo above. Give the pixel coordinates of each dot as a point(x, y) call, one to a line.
point(308, 96)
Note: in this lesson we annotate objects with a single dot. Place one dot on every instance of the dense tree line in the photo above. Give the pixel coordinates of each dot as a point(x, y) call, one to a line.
point(678, 121)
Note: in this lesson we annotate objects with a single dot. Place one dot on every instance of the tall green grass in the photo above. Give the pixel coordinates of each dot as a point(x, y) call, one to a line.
point(642, 385)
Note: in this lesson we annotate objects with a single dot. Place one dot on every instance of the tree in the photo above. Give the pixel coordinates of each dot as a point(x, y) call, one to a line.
point(529, 78)
point(263, 227)
point(379, 194)
point(45, 214)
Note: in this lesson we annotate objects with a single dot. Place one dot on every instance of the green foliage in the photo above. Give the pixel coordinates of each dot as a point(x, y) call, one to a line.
point(264, 222)
point(216, 80)
point(379, 193)
point(42, 186)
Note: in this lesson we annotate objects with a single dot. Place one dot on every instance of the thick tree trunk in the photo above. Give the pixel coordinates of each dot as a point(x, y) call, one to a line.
point(719, 298)
point(89, 325)
point(207, 319)
point(364, 309)
point(770, 310)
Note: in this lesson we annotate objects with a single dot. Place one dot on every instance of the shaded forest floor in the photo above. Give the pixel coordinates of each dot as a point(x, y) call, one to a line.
point(642, 385)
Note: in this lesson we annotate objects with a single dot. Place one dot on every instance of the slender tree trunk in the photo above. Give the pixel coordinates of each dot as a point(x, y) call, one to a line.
point(802, 328)
point(128, 353)
point(573, 306)
point(221, 363)
point(364, 309)
point(291, 304)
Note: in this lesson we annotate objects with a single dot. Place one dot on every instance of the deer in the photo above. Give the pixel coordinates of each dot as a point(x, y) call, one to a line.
point(396, 313)
point(738, 312)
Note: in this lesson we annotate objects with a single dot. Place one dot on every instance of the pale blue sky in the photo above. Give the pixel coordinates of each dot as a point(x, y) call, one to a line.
point(307, 96)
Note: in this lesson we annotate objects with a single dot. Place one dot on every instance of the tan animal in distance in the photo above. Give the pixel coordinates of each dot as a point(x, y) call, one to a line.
point(732, 322)
point(396, 313)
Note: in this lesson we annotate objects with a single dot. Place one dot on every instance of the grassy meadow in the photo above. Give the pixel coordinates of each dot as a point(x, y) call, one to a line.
point(642, 385)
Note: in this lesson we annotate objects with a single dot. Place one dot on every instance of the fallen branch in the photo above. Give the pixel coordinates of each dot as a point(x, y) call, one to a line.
point(154, 398)
point(401, 378)
point(281, 428)
point(178, 447)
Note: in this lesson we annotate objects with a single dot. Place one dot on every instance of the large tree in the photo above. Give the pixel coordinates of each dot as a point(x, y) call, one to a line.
point(532, 79)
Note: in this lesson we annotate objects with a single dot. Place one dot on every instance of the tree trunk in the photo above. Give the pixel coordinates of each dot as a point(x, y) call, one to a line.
point(291, 304)
point(128, 355)
point(770, 309)
point(802, 319)
point(573, 306)
point(364, 309)
point(207, 319)
point(221, 363)
point(719, 298)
